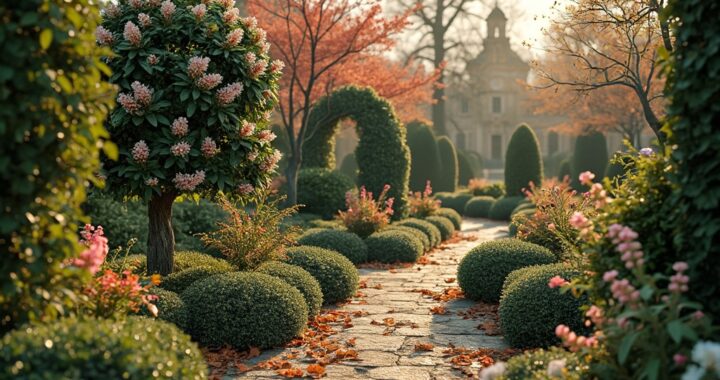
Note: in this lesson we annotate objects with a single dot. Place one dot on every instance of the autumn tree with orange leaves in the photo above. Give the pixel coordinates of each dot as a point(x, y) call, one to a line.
point(326, 44)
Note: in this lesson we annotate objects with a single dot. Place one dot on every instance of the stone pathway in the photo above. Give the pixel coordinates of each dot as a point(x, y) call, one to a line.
point(395, 318)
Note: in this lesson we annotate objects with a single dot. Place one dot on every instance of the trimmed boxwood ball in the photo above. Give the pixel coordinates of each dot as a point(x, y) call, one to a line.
point(301, 279)
point(429, 229)
point(244, 309)
point(92, 348)
point(337, 275)
point(179, 281)
point(393, 246)
point(170, 306)
point(182, 261)
point(479, 207)
point(444, 225)
point(523, 162)
point(346, 243)
point(533, 365)
point(527, 289)
point(415, 232)
point(451, 214)
point(322, 191)
point(503, 207)
point(455, 201)
point(482, 271)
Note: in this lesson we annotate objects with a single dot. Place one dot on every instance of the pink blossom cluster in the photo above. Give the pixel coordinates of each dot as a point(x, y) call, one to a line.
point(599, 195)
point(581, 223)
point(250, 58)
point(180, 149)
point(231, 16)
point(246, 128)
point(557, 282)
point(266, 135)
point(271, 161)
point(264, 47)
point(226, 3)
point(93, 257)
point(573, 341)
point(259, 36)
point(252, 155)
point(140, 152)
point(197, 66)
point(209, 148)
point(249, 22)
point(103, 36)
point(234, 38)
point(154, 3)
point(179, 127)
point(276, 66)
point(112, 292)
point(111, 11)
point(622, 290)
point(132, 34)
point(199, 11)
point(209, 81)
point(586, 178)
point(152, 182)
point(137, 4)
point(258, 69)
point(152, 59)
point(229, 93)
point(144, 20)
point(246, 189)
point(596, 315)
point(167, 9)
point(625, 240)
point(679, 281)
point(135, 103)
point(188, 182)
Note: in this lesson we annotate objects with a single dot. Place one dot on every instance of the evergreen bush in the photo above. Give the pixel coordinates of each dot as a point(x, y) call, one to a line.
point(523, 162)
point(179, 281)
point(346, 243)
point(452, 215)
point(424, 155)
point(414, 232)
point(394, 246)
point(322, 191)
point(466, 172)
point(432, 232)
point(479, 207)
point(299, 278)
point(503, 208)
point(444, 225)
point(337, 276)
point(448, 175)
point(590, 154)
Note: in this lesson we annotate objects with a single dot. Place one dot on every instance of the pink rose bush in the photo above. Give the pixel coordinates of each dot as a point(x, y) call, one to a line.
point(423, 204)
point(366, 214)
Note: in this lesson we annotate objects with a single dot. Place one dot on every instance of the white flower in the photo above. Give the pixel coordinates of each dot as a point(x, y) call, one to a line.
point(493, 372)
point(707, 355)
point(555, 368)
point(693, 372)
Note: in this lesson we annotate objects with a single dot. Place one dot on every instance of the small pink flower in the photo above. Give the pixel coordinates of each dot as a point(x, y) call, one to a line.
point(586, 178)
point(276, 66)
point(103, 36)
point(698, 315)
point(259, 36)
point(552, 227)
point(680, 266)
point(180, 127)
point(266, 135)
point(557, 282)
point(199, 11)
point(142, 93)
point(264, 47)
point(680, 359)
point(246, 189)
point(229, 93)
point(137, 4)
point(128, 103)
point(144, 20)
point(197, 66)
point(258, 69)
point(595, 314)
point(231, 16)
point(152, 182)
point(209, 81)
point(188, 182)
point(234, 38)
point(93, 257)
point(250, 58)
point(180, 149)
point(209, 148)
point(246, 128)
point(578, 220)
point(112, 11)
point(249, 22)
point(167, 8)
point(132, 34)
point(152, 59)
point(140, 152)
point(610, 276)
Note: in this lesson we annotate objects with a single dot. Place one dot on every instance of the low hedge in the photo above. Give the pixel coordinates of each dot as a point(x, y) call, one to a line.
point(527, 289)
point(503, 208)
point(322, 191)
point(182, 261)
point(451, 214)
point(244, 309)
point(91, 348)
point(301, 279)
point(415, 232)
point(445, 225)
point(179, 281)
point(455, 201)
point(479, 207)
point(170, 306)
point(429, 229)
point(346, 243)
point(337, 275)
point(536, 365)
point(482, 271)
point(523, 206)
point(393, 246)
point(495, 190)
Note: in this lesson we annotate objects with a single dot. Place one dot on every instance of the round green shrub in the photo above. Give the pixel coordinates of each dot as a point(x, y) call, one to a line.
point(523, 162)
point(244, 309)
point(455, 201)
point(192, 259)
point(90, 348)
point(170, 306)
point(449, 171)
point(482, 271)
point(337, 275)
point(452, 215)
point(446, 227)
point(346, 243)
point(424, 156)
point(527, 289)
point(479, 207)
point(179, 281)
point(322, 191)
point(393, 246)
point(526, 205)
point(503, 208)
point(415, 232)
point(429, 229)
point(533, 365)
point(591, 154)
point(495, 190)
point(300, 279)
point(135, 263)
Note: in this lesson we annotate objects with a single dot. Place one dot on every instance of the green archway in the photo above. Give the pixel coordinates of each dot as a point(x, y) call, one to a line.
point(382, 155)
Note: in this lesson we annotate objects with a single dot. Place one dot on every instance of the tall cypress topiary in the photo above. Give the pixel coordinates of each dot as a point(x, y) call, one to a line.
point(449, 173)
point(465, 168)
point(523, 162)
point(565, 169)
point(349, 167)
point(53, 100)
point(424, 156)
point(591, 154)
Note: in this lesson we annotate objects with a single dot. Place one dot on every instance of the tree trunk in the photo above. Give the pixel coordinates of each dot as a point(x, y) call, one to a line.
point(652, 120)
point(438, 108)
point(291, 173)
point(161, 239)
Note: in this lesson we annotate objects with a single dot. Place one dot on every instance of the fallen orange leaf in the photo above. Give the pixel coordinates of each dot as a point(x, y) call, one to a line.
point(315, 369)
point(290, 372)
point(424, 346)
point(449, 280)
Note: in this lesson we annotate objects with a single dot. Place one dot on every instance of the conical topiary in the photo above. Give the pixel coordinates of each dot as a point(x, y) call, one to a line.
point(349, 167)
point(591, 154)
point(523, 162)
point(466, 172)
point(448, 176)
point(425, 160)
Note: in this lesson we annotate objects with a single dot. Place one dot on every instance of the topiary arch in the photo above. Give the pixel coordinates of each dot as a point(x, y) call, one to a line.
point(382, 154)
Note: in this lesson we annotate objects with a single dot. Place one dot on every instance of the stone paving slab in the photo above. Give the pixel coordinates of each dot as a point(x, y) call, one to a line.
point(388, 352)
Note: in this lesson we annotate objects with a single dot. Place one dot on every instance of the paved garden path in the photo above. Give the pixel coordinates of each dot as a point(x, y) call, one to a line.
point(399, 309)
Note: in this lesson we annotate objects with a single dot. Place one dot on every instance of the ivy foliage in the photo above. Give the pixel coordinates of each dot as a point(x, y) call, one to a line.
point(52, 102)
point(382, 155)
point(523, 162)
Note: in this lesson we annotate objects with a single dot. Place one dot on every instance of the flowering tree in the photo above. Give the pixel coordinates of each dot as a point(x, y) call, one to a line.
point(196, 87)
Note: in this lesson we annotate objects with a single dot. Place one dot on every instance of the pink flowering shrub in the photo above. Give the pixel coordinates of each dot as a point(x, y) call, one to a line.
point(366, 215)
point(423, 204)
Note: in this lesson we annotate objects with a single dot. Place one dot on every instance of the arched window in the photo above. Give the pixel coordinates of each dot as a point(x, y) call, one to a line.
point(496, 33)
